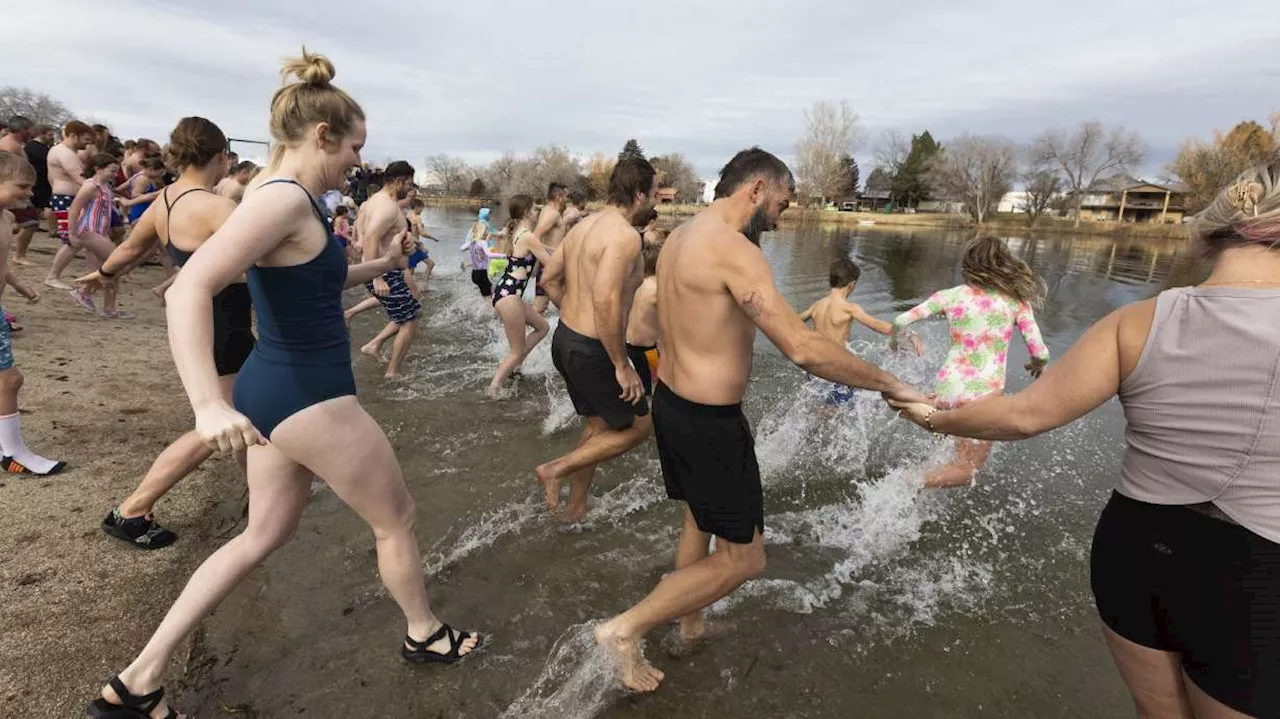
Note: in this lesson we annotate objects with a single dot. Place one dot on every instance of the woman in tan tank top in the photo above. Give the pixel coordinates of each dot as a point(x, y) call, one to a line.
point(1186, 556)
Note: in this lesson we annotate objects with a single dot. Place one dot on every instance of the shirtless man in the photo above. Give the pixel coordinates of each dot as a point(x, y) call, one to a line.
point(65, 178)
point(26, 219)
point(380, 221)
point(715, 288)
point(233, 184)
point(576, 209)
point(592, 277)
point(550, 230)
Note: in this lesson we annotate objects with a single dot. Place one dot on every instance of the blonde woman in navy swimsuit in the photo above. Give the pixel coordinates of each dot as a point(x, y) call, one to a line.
point(295, 407)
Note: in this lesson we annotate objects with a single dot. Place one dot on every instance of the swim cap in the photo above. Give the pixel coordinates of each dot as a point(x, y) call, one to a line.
point(484, 215)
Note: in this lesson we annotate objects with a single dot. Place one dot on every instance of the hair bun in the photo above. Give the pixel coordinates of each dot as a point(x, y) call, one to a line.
point(311, 69)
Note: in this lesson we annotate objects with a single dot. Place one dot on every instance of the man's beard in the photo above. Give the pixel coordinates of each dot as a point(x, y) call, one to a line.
point(757, 225)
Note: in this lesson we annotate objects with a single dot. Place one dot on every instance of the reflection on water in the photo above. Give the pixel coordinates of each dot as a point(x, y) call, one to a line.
point(879, 600)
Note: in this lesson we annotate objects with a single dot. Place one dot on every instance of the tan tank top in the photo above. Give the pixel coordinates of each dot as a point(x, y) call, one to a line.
point(1203, 408)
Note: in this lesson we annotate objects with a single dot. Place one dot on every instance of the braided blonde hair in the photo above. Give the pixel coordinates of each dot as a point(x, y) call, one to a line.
point(1247, 212)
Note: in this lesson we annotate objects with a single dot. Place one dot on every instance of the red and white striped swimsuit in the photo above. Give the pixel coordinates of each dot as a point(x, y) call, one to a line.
point(97, 216)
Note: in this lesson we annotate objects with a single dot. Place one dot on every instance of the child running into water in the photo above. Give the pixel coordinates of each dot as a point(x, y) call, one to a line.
point(833, 315)
point(17, 178)
point(999, 293)
point(523, 250)
point(477, 248)
point(343, 230)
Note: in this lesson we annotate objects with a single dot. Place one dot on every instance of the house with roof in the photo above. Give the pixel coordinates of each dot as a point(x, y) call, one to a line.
point(1123, 198)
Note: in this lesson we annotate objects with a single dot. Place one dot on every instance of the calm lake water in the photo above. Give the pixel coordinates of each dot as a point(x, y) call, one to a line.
point(879, 601)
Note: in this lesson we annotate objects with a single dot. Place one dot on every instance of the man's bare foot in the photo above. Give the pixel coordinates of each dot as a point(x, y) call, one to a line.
point(633, 669)
point(695, 634)
point(392, 375)
point(374, 351)
point(575, 514)
point(22, 261)
point(56, 284)
point(550, 486)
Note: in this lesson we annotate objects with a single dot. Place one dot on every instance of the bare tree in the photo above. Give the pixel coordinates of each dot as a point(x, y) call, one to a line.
point(676, 171)
point(976, 169)
point(1089, 153)
point(833, 132)
point(891, 151)
point(37, 107)
point(1043, 187)
point(497, 176)
point(598, 170)
point(452, 174)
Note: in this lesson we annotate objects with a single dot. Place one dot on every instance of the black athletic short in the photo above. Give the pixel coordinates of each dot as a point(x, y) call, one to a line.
point(640, 360)
point(588, 372)
point(1174, 579)
point(709, 462)
point(481, 280)
point(233, 338)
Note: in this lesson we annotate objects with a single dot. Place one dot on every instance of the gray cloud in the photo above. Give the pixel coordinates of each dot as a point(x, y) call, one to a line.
point(703, 78)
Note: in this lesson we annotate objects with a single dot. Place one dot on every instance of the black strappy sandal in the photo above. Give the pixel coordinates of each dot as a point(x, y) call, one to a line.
point(418, 653)
point(134, 707)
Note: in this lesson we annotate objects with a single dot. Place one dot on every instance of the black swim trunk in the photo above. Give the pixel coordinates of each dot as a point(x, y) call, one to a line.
point(1174, 579)
point(481, 280)
point(709, 462)
point(640, 360)
point(233, 338)
point(588, 372)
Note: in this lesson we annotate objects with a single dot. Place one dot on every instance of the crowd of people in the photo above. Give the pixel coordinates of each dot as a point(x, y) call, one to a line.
point(655, 336)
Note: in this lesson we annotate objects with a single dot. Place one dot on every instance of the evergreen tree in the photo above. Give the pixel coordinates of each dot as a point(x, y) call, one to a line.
point(911, 184)
point(631, 149)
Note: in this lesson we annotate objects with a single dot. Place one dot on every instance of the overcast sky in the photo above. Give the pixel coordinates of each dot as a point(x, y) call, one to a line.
point(478, 77)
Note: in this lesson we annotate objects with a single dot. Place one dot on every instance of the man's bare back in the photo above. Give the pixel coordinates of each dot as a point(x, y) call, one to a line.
point(64, 170)
point(583, 248)
point(230, 187)
point(554, 224)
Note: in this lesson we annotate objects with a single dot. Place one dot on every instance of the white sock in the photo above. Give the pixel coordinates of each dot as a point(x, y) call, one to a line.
point(11, 442)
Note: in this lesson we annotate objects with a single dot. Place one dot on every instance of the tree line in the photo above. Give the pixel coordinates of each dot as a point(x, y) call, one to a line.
point(1054, 170)
point(512, 174)
point(974, 169)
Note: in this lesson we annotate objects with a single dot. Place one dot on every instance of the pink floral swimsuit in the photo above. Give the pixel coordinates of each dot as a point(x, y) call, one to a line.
point(982, 324)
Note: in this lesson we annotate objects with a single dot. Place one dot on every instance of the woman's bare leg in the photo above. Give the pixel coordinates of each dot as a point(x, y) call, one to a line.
point(1154, 678)
point(347, 449)
point(278, 492)
point(511, 310)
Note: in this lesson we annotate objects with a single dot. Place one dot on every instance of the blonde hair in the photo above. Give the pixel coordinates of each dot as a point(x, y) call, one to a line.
point(1245, 213)
point(15, 168)
point(988, 263)
point(310, 99)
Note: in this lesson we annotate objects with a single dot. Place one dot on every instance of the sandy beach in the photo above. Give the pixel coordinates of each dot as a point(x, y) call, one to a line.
point(102, 395)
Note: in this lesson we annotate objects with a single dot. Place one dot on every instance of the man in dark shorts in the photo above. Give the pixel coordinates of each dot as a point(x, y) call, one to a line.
point(715, 288)
point(550, 230)
point(592, 277)
point(38, 155)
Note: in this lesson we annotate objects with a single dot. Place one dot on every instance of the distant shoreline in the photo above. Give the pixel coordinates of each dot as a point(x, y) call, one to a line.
point(1005, 224)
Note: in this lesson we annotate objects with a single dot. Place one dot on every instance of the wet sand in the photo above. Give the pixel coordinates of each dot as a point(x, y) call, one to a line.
point(102, 395)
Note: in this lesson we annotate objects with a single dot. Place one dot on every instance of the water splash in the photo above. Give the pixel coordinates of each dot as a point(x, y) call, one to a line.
point(577, 682)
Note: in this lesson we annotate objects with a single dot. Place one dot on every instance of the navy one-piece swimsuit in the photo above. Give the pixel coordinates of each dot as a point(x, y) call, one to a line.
point(303, 354)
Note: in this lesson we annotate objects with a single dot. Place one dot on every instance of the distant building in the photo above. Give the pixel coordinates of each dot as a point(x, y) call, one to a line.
point(666, 195)
point(947, 206)
point(874, 200)
point(1127, 199)
point(1013, 202)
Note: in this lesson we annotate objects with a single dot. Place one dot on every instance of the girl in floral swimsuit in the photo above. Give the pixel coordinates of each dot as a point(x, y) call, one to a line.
point(998, 293)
